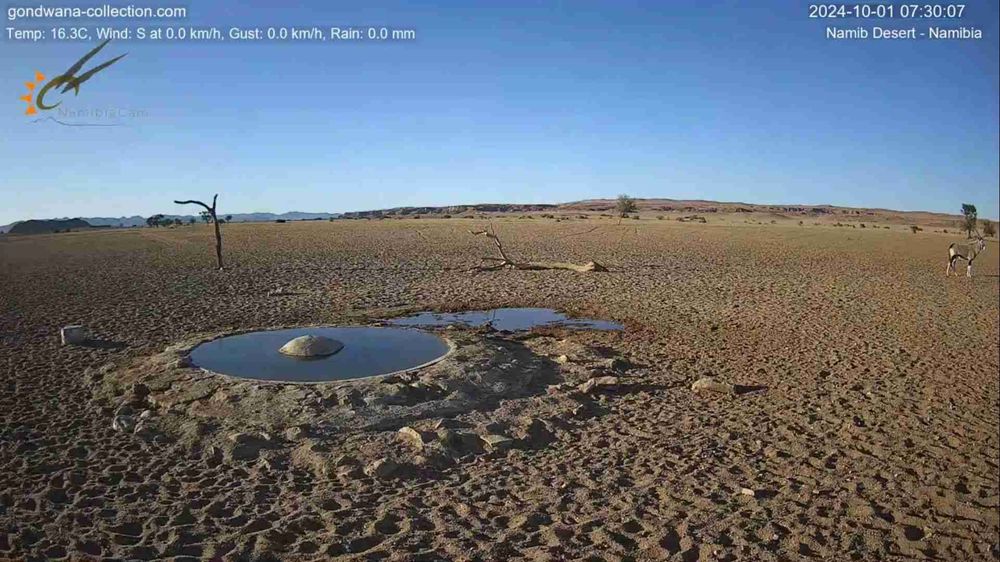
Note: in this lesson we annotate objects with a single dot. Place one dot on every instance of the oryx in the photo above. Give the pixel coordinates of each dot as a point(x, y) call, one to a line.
point(967, 252)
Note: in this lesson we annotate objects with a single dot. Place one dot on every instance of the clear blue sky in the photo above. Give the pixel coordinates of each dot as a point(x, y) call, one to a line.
point(514, 102)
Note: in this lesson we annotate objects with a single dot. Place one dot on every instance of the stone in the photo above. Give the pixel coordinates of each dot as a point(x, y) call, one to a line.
point(298, 432)
point(212, 456)
point(382, 468)
point(615, 365)
point(712, 385)
point(497, 442)
point(598, 383)
point(449, 423)
point(123, 423)
point(311, 346)
point(246, 446)
point(414, 437)
point(460, 442)
point(182, 362)
point(562, 359)
point(138, 393)
point(73, 335)
point(747, 492)
point(535, 432)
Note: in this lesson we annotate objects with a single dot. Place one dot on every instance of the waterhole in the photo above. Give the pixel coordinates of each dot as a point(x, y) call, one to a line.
point(367, 352)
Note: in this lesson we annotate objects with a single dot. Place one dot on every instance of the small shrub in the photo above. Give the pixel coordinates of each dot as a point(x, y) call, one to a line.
point(659, 217)
point(862, 225)
point(446, 217)
point(915, 229)
point(989, 229)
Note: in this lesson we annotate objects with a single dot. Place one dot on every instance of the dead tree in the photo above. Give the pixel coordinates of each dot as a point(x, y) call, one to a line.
point(504, 261)
point(215, 220)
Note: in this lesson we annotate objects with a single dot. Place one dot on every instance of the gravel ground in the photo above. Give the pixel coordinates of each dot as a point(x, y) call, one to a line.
point(872, 432)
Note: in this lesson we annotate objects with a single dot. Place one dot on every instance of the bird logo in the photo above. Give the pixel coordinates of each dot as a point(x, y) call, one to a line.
point(68, 80)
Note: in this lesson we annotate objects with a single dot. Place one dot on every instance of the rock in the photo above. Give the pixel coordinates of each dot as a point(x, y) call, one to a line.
point(73, 335)
point(562, 359)
point(146, 414)
point(497, 442)
point(212, 456)
point(144, 430)
point(246, 446)
point(382, 468)
point(747, 492)
point(460, 442)
point(182, 362)
point(123, 423)
point(553, 389)
point(297, 432)
point(535, 432)
point(712, 385)
point(138, 393)
point(598, 383)
point(449, 423)
point(414, 437)
point(311, 346)
point(615, 365)
point(586, 410)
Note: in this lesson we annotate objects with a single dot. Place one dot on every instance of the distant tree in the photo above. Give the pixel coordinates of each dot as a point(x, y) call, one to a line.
point(177, 222)
point(205, 216)
point(969, 224)
point(625, 205)
point(154, 220)
point(989, 229)
point(229, 218)
point(210, 212)
point(192, 220)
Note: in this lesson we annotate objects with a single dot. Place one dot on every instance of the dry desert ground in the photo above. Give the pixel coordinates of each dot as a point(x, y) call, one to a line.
point(864, 427)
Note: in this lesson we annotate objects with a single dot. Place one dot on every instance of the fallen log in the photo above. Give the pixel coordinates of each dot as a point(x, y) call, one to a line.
point(504, 262)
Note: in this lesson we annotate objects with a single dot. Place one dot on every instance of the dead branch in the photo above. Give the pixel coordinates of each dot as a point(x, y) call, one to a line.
point(504, 261)
point(215, 221)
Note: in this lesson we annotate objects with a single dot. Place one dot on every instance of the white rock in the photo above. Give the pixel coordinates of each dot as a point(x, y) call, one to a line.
point(73, 334)
point(711, 385)
point(311, 346)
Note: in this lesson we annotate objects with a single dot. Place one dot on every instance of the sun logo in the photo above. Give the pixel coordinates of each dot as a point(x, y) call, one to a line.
point(30, 96)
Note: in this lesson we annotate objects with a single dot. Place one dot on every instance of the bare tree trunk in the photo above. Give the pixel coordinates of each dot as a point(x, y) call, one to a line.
point(504, 262)
point(215, 219)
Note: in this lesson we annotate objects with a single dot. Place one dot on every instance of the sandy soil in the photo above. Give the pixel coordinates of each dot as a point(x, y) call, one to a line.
point(876, 437)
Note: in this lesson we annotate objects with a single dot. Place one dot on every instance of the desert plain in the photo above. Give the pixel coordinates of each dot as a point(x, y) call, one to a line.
point(865, 426)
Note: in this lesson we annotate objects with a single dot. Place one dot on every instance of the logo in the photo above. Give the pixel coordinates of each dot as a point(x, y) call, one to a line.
point(46, 97)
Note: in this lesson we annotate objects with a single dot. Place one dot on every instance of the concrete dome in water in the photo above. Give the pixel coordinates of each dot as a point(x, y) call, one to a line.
point(311, 346)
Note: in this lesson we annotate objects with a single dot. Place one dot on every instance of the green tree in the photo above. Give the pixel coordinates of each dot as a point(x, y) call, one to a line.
point(205, 216)
point(625, 205)
point(192, 220)
point(989, 229)
point(969, 224)
point(154, 220)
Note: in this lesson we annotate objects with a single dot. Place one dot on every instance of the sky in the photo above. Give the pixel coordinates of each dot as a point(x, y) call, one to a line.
point(521, 102)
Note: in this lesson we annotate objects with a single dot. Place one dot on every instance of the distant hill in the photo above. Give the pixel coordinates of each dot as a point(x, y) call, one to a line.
point(136, 220)
point(48, 226)
point(452, 210)
point(677, 205)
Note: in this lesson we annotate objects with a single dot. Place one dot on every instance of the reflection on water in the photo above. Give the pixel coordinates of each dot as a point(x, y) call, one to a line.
point(509, 319)
point(367, 352)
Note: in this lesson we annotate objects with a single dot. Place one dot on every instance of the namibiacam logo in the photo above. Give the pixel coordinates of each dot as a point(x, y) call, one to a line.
point(68, 80)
